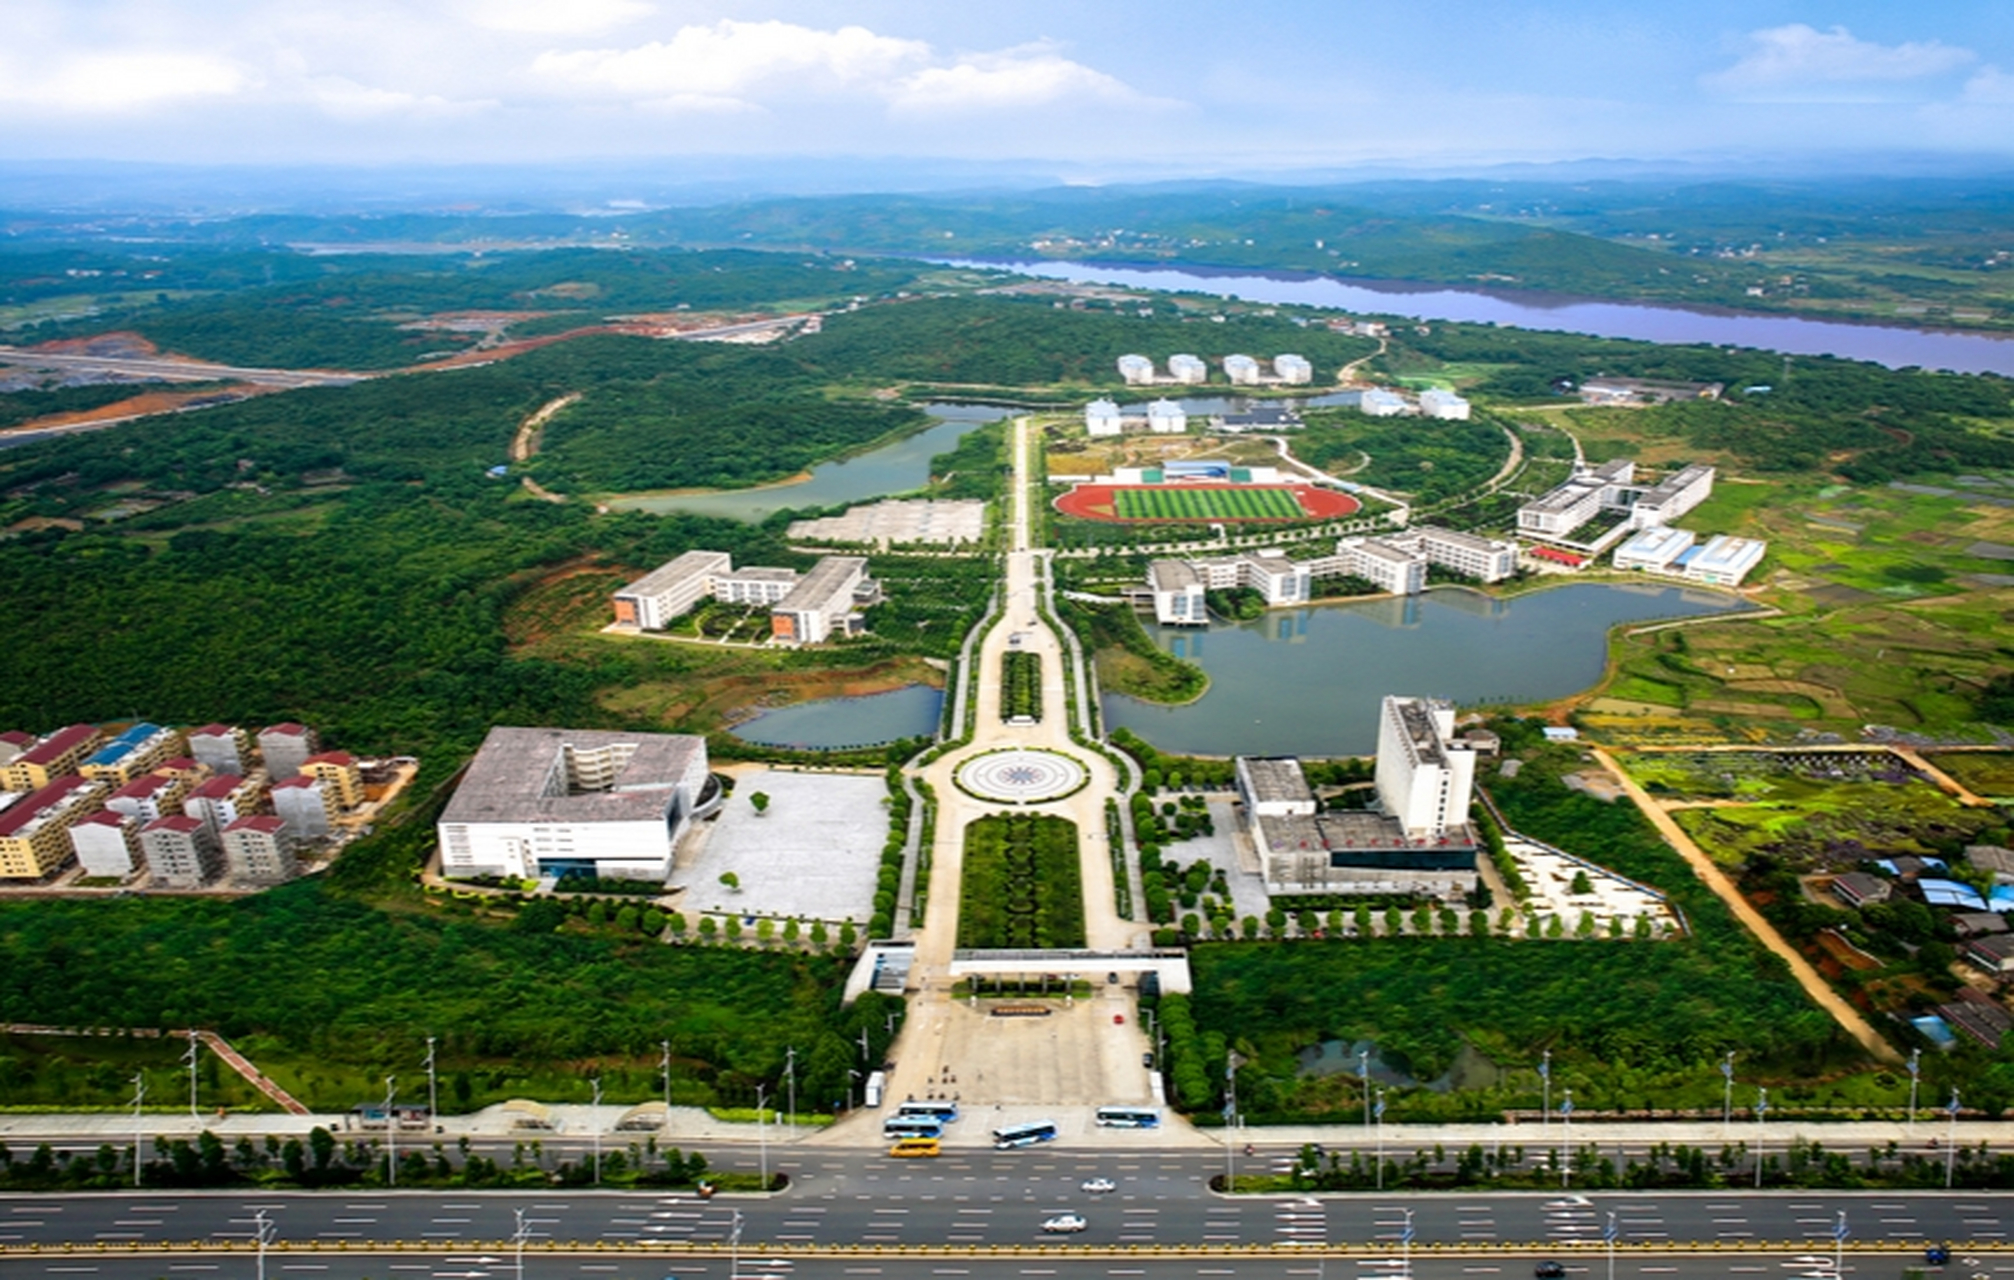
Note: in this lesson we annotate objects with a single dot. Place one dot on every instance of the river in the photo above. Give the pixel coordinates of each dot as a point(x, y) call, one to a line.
point(1308, 681)
point(1889, 345)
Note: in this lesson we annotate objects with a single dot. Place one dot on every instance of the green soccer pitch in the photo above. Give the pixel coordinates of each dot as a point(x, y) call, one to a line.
point(1173, 503)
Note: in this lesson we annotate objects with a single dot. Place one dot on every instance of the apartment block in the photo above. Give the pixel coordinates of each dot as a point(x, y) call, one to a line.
point(35, 830)
point(303, 804)
point(150, 796)
point(221, 748)
point(181, 852)
point(218, 802)
point(53, 757)
point(285, 747)
point(258, 850)
point(107, 844)
point(130, 754)
point(341, 778)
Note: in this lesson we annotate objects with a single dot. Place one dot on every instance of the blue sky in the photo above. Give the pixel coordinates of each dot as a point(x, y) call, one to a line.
point(1118, 87)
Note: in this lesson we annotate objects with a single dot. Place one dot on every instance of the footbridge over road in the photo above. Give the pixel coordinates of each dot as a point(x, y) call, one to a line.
point(1170, 967)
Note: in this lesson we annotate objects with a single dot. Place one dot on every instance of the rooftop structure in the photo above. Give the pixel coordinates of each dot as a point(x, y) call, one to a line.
point(1138, 371)
point(34, 830)
point(53, 757)
point(899, 521)
point(1293, 370)
point(653, 600)
point(1653, 550)
point(1436, 403)
point(540, 802)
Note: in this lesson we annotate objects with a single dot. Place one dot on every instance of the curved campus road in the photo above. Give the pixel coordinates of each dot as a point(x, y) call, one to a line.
point(1714, 878)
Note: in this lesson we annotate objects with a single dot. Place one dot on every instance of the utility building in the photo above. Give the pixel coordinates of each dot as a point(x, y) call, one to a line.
point(1188, 370)
point(541, 802)
point(1138, 371)
point(1295, 371)
point(1101, 418)
point(1436, 403)
point(1243, 371)
point(1165, 417)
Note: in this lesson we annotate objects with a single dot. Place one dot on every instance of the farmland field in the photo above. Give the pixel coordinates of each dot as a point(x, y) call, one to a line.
point(1205, 502)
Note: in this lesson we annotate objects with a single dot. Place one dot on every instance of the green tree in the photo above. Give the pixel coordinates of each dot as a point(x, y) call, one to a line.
point(731, 880)
point(791, 931)
point(759, 799)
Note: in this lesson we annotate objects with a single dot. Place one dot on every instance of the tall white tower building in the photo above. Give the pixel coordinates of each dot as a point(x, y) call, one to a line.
point(1424, 775)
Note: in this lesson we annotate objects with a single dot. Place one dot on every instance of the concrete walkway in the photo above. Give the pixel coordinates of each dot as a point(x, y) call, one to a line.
point(1715, 879)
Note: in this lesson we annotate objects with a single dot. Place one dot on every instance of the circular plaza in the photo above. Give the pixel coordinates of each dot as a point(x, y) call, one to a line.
point(1022, 775)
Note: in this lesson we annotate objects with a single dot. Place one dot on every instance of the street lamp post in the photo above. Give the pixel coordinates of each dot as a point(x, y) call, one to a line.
point(1231, 1064)
point(761, 1136)
point(1727, 1093)
point(1566, 1139)
point(517, 1238)
point(594, 1119)
point(1915, 1077)
point(1364, 1074)
point(190, 1059)
point(1406, 1247)
point(1838, 1245)
point(790, 1076)
point(139, 1096)
point(391, 1132)
point(1608, 1234)
point(734, 1249)
point(664, 1068)
point(1761, 1110)
point(1545, 1094)
point(433, 1086)
point(1951, 1140)
point(262, 1229)
point(851, 1076)
point(1381, 1139)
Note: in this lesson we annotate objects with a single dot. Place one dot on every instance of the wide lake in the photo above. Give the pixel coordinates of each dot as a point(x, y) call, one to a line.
point(1890, 345)
point(893, 468)
point(832, 723)
point(1308, 681)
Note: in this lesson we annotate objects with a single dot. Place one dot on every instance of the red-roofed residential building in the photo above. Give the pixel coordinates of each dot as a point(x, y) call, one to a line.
point(222, 800)
point(149, 796)
point(181, 852)
point(55, 756)
point(222, 747)
point(342, 781)
point(12, 744)
point(304, 803)
point(285, 748)
point(34, 832)
point(108, 844)
point(260, 850)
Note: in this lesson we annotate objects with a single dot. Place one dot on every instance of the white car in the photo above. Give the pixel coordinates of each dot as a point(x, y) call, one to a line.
point(1065, 1222)
point(1099, 1186)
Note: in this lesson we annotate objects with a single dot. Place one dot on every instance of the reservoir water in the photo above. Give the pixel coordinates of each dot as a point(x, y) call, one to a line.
point(1889, 345)
point(1308, 681)
point(831, 723)
point(893, 468)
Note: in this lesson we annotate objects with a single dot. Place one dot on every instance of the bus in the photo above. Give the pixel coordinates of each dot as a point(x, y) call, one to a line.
point(911, 1127)
point(1024, 1135)
point(944, 1112)
point(910, 1147)
point(1128, 1118)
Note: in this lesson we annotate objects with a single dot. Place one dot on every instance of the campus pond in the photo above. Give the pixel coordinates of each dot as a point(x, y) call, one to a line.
point(829, 724)
point(899, 467)
point(1308, 681)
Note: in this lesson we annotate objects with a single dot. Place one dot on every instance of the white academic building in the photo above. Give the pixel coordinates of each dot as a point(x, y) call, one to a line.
point(543, 802)
point(1397, 562)
point(1612, 486)
point(1179, 585)
point(805, 608)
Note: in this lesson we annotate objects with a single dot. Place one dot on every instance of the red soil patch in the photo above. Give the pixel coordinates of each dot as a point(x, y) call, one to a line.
point(1098, 502)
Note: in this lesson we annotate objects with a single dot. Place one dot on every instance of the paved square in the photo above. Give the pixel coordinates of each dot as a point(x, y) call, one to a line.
point(814, 855)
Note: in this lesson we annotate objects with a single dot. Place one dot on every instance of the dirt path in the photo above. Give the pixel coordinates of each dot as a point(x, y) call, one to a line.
point(1348, 373)
point(1715, 879)
point(525, 443)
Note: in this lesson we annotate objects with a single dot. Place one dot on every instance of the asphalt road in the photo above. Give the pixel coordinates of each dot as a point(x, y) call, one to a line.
point(754, 1265)
point(986, 1199)
point(176, 370)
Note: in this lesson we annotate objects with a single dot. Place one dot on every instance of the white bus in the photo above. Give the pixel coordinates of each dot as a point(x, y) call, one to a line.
point(944, 1112)
point(911, 1127)
point(1024, 1135)
point(1128, 1118)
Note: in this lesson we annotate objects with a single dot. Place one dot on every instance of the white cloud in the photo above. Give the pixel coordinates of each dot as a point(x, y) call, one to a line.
point(346, 99)
point(552, 17)
point(1990, 86)
point(106, 83)
point(730, 59)
point(1801, 62)
point(1018, 78)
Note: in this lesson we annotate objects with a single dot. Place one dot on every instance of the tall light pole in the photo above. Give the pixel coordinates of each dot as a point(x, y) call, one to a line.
point(595, 1120)
point(1406, 1247)
point(1951, 1140)
point(1566, 1138)
point(1231, 1065)
point(189, 1060)
point(664, 1068)
point(761, 1138)
point(1364, 1074)
point(1608, 1234)
point(391, 1131)
point(1761, 1110)
point(790, 1077)
point(1727, 1093)
point(1380, 1109)
point(433, 1091)
point(517, 1238)
point(1545, 1094)
point(733, 1247)
point(139, 1096)
point(262, 1231)
point(1838, 1244)
point(1915, 1077)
